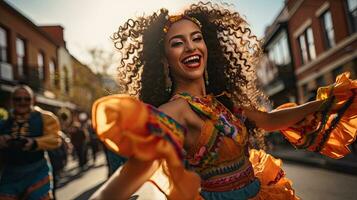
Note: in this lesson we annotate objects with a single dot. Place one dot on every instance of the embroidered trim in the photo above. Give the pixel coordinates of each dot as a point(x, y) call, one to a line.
point(334, 123)
point(223, 170)
point(279, 176)
point(169, 131)
point(231, 182)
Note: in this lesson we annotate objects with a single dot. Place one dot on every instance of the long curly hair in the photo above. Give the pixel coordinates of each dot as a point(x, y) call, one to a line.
point(233, 51)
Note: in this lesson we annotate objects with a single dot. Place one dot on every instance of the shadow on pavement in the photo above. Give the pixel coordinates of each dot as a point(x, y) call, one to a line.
point(74, 173)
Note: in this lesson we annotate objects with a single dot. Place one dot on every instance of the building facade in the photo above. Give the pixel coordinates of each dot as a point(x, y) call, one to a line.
point(307, 46)
point(276, 69)
point(65, 63)
point(323, 37)
point(87, 86)
point(28, 55)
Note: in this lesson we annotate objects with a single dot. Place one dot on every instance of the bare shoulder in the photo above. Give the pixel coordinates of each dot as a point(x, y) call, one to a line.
point(177, 109)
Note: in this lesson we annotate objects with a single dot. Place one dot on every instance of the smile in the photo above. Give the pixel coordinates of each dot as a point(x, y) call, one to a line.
point(192, 61)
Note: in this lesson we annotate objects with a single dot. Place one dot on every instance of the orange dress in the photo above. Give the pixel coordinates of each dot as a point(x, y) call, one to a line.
point(220, 165)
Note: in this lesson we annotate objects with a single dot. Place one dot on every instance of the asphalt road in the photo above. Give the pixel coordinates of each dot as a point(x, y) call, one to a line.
point(310, 183)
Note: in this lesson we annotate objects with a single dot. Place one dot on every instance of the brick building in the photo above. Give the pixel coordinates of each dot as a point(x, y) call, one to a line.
point(323, 39)
point(65, 63)
point(28, 55)
point(310, 42)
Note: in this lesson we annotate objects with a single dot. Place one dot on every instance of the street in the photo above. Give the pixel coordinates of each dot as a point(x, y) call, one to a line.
point(310, 183)
point(83, 183)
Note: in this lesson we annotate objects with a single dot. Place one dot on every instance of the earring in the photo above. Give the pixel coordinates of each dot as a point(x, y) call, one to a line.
point(206, 77)
point(168, 81)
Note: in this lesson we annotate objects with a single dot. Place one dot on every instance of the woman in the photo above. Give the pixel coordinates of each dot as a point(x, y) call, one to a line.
point(197, 68)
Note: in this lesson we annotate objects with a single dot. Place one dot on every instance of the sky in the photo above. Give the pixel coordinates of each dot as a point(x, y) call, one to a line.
point(90, 23)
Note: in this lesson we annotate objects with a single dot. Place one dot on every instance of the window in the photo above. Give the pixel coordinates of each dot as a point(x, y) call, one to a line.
point(41, 66)
point(278, 55)
point(52, 72)
point(66, 80)
point(305, 90)
point(20, 56)
point(303, 50)
point(279, 51)
point(352, 14)
point(3, 45)
point(307, 46)
point(285, 49)
point(329, 33)
point(310, 43)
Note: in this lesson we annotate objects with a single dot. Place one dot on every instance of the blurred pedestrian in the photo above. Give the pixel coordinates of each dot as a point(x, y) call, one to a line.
point(58, 159)
point(79, 140)
point(24, 138)
point(93, 143)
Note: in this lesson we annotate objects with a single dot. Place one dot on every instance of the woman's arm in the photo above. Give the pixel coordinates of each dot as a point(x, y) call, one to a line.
point(280, 119)
point(125, 182)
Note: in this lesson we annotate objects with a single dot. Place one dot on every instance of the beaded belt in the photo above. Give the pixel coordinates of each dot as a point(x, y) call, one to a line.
point(228, 182)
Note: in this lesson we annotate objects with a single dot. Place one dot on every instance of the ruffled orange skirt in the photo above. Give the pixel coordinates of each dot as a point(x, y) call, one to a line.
point(274, 184)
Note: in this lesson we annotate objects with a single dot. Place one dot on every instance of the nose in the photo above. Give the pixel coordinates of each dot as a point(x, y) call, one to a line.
point(190, 47)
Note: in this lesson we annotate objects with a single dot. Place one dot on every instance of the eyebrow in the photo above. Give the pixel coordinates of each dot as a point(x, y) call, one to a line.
point(181, 36)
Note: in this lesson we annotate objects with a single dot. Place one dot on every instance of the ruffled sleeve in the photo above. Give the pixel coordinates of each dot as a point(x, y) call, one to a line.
point(134, 129)
point(332, 129)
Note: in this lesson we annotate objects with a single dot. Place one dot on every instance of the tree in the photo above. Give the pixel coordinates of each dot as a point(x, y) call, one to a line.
point(104, 62)
point(101, 60)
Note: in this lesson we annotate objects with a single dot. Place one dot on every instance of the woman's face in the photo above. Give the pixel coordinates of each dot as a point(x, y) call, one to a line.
point(185, 51)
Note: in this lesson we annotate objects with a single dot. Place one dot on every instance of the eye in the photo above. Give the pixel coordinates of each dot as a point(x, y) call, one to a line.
point(197, 38)
point(176, 43)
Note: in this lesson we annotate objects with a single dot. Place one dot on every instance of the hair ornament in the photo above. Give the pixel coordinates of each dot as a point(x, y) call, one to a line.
point(175, 18)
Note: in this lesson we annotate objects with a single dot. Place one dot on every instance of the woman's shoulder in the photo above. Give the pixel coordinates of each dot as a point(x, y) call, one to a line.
point(177, 109)
point(178, 105)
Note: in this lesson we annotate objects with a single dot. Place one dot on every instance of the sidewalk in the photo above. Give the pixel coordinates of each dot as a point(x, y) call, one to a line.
point(78, 184)
point(347, 164)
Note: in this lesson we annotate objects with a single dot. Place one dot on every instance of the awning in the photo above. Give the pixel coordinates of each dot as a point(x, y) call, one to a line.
point(44, 100)
point(55, 102)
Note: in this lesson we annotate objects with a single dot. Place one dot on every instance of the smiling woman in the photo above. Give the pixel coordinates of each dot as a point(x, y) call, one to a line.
point(199, 116)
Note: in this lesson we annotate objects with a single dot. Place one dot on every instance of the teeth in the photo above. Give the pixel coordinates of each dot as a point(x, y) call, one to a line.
point(191, 58)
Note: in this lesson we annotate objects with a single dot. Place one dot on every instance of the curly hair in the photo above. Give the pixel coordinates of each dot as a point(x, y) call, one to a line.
point(233, 52)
